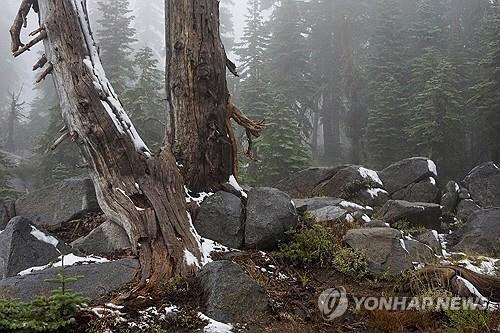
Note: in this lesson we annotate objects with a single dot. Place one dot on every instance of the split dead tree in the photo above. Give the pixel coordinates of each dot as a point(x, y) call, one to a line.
point(142, 192)
point(200, 106)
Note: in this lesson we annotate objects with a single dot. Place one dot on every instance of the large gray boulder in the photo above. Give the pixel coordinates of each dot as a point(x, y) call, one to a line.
point(106, 239)
point(221, 219)
point(231, 296)
point(420, 252)
point(481, 234)
point(348, 182)
point(384, 249)
point(315, 203)
point(96, 280)
point(7, 211)
point(465, 208)
point(483, 183)
point(422, 191)
point(430, 238)
point(301, 184)
point(415, 213)
point(270, 214)
point(59, 203)
point(399, 175)
point(327, 214)
point(23, 246)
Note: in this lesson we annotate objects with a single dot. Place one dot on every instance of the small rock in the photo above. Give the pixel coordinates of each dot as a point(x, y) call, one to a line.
point(416, 213)
point(270, 214)
point(104, 240)
point(328, 213)
point(430, 238)
point(377, 224)
point(422, 191)
point(221, 219)
point(59, 203)
point(383, 247)
point(23, 246)
point(465, 209)
point(481, 234)
point(483, 183)
point(302, 183)
point(231, 295)
point(96, 280)
point(408, 171)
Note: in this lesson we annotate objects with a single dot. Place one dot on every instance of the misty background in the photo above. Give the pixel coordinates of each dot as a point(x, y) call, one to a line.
point(365, 82)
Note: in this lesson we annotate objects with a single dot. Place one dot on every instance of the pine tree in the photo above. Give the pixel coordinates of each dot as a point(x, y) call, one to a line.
point(115, 37)
point(150, 26)
point(486, 97)
point(283, 150)
point(6, 191)
point(289, 67)
point(387, 118)
point(146, 99)
point(436, 128)
point(226, 24)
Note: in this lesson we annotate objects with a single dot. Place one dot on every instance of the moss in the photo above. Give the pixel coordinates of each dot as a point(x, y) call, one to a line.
point(468, 320)
point(408, 229)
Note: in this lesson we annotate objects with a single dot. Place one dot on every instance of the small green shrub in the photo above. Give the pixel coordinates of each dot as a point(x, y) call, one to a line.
point(405, 226)
point(320, 247)
point(468, 320)
point(43, 314)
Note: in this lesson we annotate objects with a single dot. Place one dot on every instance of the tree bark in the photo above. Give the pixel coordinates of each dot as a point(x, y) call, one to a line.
point(197, 93)
point(141, 192)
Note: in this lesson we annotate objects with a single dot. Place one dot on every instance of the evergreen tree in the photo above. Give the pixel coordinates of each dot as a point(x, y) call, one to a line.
point(436, 127)
point(115, 36)
point(289, 67)
point(282, 149)
point(387, 73)
point(150, 26)
point(146, 99)
point(6, 190)
point(226, 24)
point(486, 97)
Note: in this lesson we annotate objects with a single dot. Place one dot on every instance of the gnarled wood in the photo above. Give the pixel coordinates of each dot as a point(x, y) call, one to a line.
point(141, 192)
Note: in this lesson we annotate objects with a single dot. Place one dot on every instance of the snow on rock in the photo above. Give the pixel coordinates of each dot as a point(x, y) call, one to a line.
point(352, 206)
point(68, 260)
point(196, 197)
point(214, 326)
point(432, 167)
point(372, 174)
point(41, 236)
point(432, 180)
point(234, 183)
point(190, 259)
point(375, 192)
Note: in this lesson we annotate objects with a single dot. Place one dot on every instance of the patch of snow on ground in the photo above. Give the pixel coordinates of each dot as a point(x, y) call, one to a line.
point(366, 218)
point(374, 192)
point(352, 205)
point(208, 246)
point(41, 236)
point(432, 180)
point(214, 326)
point(196, 197)
point(69, 260)
point(403, 245)
point(486, 267)
point(432, 167)
point(349, 218)
point(367, 173)
point(234, 183)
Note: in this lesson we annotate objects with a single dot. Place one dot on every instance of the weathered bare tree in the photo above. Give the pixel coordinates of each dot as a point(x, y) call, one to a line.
point(142, 192)
point(200, 106)
point(14, 115)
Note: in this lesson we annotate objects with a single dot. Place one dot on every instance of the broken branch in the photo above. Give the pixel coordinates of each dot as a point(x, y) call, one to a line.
point(31, 43)
point(19, 21)
point(44, 74)
point(40, 63)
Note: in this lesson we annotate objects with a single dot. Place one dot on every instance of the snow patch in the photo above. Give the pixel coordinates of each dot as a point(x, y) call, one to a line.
point(41, 236)
point(196, 197)
point(190, 259)
point(372, 174)
point(366, 218)
point(352, 205)
point(349, 218)
point(67, 260)
point(374, 192)
point(432, 167)
point(432, 180)
point(403, 245)
point(214, 326)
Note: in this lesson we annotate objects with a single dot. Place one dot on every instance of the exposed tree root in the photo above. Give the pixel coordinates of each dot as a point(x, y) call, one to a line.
point(446, 277)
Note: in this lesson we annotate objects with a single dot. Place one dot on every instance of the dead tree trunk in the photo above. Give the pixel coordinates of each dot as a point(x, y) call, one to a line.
point(141, 192)
point(200, 105)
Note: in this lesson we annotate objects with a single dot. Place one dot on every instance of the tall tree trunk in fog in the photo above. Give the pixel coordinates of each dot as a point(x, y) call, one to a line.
point(197, 93)
point(141, 192)
point(331, 130)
